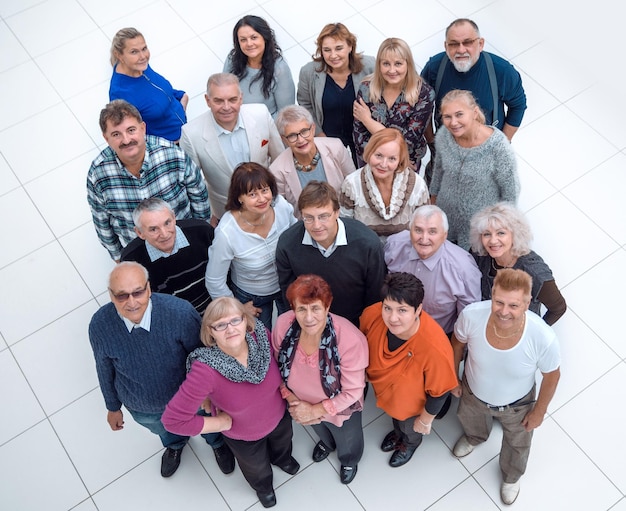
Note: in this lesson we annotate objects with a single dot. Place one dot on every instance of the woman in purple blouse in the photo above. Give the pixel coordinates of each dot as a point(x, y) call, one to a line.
point(236, 377)
point(394, 96)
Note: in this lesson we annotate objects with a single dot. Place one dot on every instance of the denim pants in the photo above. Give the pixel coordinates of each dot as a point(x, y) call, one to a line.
point(152, 421)
point(265, 303)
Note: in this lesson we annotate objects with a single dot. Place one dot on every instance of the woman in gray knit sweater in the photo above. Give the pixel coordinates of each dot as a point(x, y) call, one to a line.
point(474, 166)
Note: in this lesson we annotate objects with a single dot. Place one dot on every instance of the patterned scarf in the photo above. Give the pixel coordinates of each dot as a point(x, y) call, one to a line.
point(259, 354)
point(329, 362)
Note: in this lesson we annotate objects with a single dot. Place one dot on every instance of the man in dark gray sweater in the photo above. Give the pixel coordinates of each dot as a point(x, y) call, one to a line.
point(344, 252)
point(140, 343)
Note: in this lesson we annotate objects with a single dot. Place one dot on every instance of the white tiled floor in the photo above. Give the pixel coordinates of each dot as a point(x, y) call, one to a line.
point(56, 450)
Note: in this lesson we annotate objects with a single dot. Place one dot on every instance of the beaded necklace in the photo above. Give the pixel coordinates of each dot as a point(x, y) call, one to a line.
point(310, 166)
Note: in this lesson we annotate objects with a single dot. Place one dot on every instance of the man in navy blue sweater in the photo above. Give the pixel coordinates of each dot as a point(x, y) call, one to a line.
point(493, 81)
point(464, 65)
point(140, 343)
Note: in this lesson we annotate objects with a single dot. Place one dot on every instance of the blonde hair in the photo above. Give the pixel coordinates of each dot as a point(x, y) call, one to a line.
point(219, 308)
point(119, 42)
point(469, 99)
point(511, 279)
point(394, 47)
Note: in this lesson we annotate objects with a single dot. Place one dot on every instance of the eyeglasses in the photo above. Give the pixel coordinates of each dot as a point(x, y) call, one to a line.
point(220, 327)
point(468, 43)
point(122, 297)
point(292, 137)
point(323, 218)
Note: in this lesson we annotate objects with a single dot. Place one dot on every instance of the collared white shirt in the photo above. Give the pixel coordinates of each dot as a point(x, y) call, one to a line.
point(145, 320)
point(340, 240)
point(180, 241)
point(233, 143)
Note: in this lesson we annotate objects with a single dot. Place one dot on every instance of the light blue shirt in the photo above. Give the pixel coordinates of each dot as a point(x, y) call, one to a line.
point(180, 242)
point(340, 240)
point(145, 320)
point(233, 143)
point(317, 174)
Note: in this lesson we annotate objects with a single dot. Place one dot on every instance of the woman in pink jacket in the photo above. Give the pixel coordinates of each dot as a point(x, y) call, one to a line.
point(322, 359)
point(307, 157)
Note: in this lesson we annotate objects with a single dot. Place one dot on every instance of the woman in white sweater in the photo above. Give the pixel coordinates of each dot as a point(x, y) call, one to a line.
point(384, 193)
point(245, 243)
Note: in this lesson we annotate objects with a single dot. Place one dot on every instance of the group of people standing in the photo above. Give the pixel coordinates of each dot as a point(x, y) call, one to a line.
point(306, 253)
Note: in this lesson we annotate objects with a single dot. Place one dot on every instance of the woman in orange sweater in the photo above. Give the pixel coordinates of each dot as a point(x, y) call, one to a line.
point(411, 364)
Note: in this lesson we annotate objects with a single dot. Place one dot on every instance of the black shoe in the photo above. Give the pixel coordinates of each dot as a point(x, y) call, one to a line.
point(444, 408)
point(291, 467)
point(390, 442)
point(402, 455)
point(346, 474)
point(170, 461)
point(225, 459)
point(321, 452)
point(267, 499)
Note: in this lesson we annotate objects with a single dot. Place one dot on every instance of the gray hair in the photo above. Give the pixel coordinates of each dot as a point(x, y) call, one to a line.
point(291, 114)
point(502, 215)
point(462, 21)
point(221, 79)
point(128, 264)
point(151, 204)
point(119, 42)
point(429, 210)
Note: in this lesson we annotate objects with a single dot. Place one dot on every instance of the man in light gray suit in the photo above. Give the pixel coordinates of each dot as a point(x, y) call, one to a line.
point(228, 134)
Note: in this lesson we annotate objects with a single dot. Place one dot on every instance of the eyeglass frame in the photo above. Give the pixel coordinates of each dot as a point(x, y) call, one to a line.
point(220, 327)
point(304, 133)
point(322, 219)
point(468, 43)
point(124, 297)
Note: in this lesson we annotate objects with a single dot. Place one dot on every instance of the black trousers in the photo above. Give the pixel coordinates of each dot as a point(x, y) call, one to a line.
point(404, 430)
point(256, 457)
point(347, 439)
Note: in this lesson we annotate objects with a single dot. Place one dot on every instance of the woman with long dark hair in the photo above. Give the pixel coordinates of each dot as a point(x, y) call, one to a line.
point(245, 242)
point(256, 59)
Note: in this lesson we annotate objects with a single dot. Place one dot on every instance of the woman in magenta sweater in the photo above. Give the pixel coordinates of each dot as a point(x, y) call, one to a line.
point(236, 376)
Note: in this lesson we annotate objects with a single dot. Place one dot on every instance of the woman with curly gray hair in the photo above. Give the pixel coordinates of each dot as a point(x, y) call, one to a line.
point(500, 238)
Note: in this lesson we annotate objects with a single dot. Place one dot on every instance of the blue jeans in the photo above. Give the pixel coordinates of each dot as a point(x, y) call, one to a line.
point(265, 303)
point(152, 421)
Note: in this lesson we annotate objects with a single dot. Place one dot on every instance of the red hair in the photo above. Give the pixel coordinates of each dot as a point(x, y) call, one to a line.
point(308, 289)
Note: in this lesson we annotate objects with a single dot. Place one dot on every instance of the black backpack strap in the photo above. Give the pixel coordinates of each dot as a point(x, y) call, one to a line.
point(494, 87)
point(440, 71)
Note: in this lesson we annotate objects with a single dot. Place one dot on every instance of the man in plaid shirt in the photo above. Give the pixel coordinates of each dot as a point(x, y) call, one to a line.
point(136, 167)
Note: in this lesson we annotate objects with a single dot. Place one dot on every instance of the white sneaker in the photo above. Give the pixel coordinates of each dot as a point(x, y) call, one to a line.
point(462, 447)
point(509, 492)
